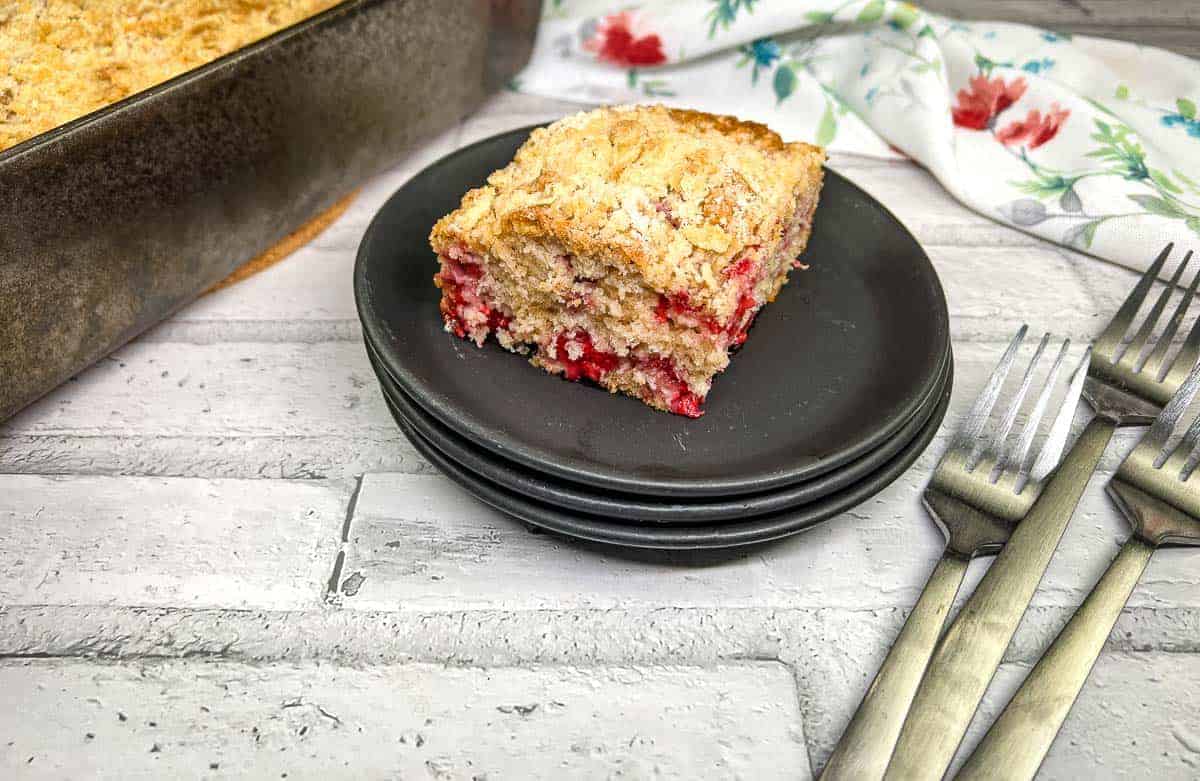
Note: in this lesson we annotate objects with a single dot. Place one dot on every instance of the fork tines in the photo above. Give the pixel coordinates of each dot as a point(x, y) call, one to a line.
point(999, 450)
point(1160, 468)
point(1131, 355)
point(1159, 435)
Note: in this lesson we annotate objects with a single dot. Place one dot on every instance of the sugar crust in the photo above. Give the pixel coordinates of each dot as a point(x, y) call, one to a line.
point(60, 59)
point(673, 195)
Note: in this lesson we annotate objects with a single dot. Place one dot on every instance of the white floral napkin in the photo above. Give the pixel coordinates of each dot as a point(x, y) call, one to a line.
point(1088, 142)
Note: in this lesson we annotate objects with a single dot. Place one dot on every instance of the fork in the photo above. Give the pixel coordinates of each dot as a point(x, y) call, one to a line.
point(1154, 490)
point(1128, 382)
point(981, 487)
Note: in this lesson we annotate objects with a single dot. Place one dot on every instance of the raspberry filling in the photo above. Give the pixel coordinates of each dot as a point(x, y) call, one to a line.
point(742, 269)
point(740, 324)
point(463, 308)
point(580, 358)
point(663, 207)
point(469, 314)
point(671, 388)
point(678, 307)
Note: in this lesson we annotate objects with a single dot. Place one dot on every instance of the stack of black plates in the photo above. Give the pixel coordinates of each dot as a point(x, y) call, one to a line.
point(842, 384)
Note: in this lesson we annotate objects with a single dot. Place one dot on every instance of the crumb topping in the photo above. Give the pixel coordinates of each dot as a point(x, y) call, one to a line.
point(676, 194)
point(61, 59)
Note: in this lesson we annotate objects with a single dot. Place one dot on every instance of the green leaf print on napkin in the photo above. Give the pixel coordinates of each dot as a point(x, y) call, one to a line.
point(827, 128)
point(784, 83)
point(871, 12)
point(725, 12)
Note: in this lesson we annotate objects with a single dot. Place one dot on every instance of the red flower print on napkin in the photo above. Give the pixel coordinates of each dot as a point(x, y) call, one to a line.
point(614, 42)
point(979, 105)
point(1035, 129)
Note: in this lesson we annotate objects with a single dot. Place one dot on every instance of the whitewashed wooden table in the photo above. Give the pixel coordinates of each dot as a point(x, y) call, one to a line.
point(220, 557)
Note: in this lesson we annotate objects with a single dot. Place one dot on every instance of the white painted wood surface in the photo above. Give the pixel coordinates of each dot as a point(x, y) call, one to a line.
point(142, 541)
point(220, 720)
point(178, 511)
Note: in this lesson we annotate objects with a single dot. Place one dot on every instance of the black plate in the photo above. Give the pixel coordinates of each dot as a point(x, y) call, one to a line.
point(726, 535)
point(833, 369)
point(639, 509)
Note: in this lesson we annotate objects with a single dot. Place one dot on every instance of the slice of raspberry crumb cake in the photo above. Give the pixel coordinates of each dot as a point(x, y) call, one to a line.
point(631, 246)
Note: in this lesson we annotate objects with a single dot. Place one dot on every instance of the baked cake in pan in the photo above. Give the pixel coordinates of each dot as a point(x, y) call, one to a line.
point(631, 246)
point(60, 59)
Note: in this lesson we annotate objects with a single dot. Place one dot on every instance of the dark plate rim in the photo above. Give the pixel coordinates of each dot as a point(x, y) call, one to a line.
point(658, 537)
point(636, 509)
point(513, 448)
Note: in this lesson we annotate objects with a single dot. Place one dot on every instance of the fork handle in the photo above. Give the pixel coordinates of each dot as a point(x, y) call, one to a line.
point(863, 751)
point(1017, 742)
point(971, 650)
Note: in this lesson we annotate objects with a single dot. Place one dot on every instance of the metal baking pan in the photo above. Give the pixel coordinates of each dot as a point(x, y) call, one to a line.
point(112, 222)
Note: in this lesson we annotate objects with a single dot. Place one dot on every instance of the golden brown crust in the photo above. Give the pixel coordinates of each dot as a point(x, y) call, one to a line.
point(676, 194)
point(61, 59)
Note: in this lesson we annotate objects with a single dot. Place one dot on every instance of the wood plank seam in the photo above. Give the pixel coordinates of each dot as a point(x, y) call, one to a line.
point(516, 636)
point(335, 577)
